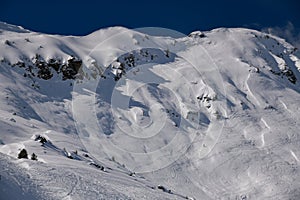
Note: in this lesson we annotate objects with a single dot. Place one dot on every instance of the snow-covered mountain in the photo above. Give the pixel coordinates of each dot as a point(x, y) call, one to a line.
point(119, 114)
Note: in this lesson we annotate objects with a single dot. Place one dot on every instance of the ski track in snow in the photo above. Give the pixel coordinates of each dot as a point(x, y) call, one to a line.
point(250, 92)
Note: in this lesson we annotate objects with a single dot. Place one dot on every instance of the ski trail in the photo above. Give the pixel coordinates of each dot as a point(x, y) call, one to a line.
point(265, 123)
point(264, 132)
point(294, 155)
point(285, 107)
point(249, 90)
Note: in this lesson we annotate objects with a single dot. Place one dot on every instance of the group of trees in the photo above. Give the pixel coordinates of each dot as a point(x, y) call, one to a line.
point(23, 154)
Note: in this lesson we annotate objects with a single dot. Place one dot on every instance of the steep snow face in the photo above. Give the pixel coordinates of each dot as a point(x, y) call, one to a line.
point(119, 114)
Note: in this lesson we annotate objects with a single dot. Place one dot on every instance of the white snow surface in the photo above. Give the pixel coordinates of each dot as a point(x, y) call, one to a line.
point(213, 115)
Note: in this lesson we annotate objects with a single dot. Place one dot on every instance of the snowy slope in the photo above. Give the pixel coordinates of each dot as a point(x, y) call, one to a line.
point(119, 114)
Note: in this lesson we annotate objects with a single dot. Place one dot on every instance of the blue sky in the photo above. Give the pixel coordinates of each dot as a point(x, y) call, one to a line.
point(80, 17)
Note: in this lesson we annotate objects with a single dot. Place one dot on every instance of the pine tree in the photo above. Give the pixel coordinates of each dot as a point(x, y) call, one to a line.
point(23, 154)
point(33, 156)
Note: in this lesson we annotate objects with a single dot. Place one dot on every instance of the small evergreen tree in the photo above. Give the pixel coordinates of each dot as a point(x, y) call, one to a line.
point(23, 154)
point(33, 156)
point(43, 140)
point(7, 42)
point(167, 53)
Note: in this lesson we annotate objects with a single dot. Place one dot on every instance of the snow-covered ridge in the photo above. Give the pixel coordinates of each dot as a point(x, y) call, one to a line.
point(5, 27)
point(120, 114)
